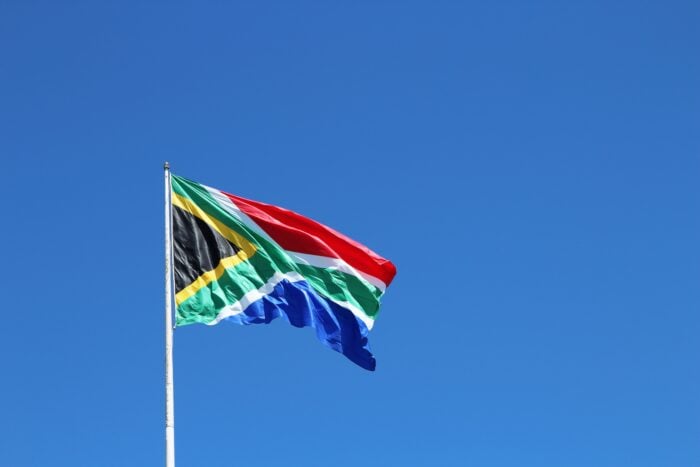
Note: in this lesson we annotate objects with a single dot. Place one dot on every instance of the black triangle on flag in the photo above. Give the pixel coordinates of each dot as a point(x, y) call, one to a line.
point(197, 247)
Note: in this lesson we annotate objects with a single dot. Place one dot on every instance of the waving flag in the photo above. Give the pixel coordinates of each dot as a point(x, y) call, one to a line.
point(248, 262)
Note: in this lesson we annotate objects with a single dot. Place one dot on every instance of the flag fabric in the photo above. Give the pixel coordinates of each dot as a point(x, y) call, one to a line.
point(249, 262)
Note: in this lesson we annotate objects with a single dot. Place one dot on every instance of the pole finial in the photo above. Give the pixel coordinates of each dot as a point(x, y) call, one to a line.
point(166, 166)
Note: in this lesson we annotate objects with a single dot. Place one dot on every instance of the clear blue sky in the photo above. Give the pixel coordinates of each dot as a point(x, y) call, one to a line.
point(530, 167)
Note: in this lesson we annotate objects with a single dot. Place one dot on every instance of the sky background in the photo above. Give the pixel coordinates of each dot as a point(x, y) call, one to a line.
point(530, 167)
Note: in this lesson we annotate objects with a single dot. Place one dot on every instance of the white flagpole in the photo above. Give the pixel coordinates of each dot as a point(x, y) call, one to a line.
point(169, 400)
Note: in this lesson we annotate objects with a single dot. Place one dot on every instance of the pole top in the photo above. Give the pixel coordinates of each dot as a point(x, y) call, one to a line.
point(166, 166)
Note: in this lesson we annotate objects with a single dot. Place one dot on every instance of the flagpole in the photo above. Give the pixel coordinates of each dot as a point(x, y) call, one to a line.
point(169, 400)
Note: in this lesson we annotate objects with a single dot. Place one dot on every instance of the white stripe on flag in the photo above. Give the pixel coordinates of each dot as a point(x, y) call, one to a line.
point(334, 263)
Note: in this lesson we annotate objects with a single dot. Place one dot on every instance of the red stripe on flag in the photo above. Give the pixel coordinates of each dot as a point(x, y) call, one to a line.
point(300, 234)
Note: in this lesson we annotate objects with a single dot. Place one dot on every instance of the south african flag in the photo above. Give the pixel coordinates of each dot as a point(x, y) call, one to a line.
point(249, 262)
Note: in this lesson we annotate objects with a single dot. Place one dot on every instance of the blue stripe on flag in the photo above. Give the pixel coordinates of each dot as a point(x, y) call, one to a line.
point(302, 306)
